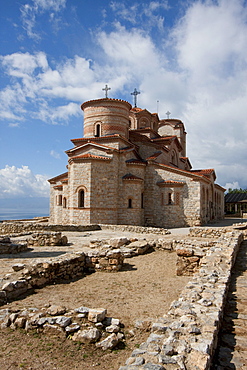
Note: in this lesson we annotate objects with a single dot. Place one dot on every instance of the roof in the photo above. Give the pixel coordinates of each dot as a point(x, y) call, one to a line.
point(106, 100)
point(92, 143)
point(90, 156)
point(154, 156)
point(135, 161)
point(189, 173)
point(100, 138)
point(167, 140)
point(170, 183)
point(136, 109)
point(205, 172)
point(129, 176)
point(58, 178)
point(235, 197)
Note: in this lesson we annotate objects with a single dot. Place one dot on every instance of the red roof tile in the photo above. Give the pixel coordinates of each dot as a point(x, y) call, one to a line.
point(104, 100)
point(170, 183)
point(135, 161)
point(58, 187)
point(153, 156)
point(90, 156)
point(58, 178)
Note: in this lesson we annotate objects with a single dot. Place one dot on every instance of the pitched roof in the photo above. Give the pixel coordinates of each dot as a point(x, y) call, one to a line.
point(189, 173)
point(89, 156)
point(235, 197)
point(100, 138)
point(53, 180)
point(154, 156)
point(206, 172)
point(91, 143)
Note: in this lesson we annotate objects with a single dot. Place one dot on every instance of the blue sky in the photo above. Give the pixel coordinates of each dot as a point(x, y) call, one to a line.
point(190, 56)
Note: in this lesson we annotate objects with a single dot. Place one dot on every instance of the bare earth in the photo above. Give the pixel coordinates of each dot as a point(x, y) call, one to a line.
point(144, 289)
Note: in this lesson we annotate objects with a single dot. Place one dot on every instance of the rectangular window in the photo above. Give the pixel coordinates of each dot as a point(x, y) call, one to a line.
point(162, 199)
point(59, 200)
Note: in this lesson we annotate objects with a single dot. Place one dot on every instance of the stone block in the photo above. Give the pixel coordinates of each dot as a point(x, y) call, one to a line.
point(97, 315)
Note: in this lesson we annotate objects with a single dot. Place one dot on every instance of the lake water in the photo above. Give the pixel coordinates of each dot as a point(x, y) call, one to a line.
point(17, 214)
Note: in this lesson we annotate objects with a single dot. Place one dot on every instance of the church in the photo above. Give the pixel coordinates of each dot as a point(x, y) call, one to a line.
point(131, 168)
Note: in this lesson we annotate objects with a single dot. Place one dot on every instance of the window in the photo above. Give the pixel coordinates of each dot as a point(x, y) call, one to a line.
point(59, 200)
point(97, 130)
point(81, 199)
point(129, 203)
point(64, 202)
point(169, 198)
point(142, 200)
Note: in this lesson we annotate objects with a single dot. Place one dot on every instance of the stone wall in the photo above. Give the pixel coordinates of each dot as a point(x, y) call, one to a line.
point(81, 324)
point(135, 229)
point(6, 247)
point(190, 254)
point(47, 238)
point(186, 337)
point(66, 267)
point(22, 228)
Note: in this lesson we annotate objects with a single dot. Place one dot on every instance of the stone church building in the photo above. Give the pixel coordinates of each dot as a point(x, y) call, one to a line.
point(131, 168)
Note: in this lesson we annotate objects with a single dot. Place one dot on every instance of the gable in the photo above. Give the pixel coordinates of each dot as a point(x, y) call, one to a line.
point(89, 148)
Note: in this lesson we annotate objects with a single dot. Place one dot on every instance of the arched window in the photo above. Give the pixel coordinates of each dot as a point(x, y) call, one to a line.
point(97, 130)
point(129, 203)
point(81, 198)
point(64, 202)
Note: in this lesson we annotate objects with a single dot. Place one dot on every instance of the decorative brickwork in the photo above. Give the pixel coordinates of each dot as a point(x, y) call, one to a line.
point(131, 169)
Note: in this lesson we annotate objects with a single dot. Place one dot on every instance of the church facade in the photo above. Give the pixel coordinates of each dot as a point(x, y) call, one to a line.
point(131, 168)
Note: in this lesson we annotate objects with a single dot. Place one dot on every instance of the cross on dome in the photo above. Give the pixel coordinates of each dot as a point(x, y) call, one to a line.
point(135, 93)
point(106, 89)
point(168, 114)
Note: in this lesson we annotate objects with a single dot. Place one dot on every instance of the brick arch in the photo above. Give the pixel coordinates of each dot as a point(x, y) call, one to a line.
point(81, 196)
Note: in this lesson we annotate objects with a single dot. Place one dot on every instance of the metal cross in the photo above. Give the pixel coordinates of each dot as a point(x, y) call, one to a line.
point(168, 114)
point(106, 89)
point(135, 93)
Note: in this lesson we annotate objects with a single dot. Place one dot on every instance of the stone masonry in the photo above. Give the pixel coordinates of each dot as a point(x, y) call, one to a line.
point(130, 168)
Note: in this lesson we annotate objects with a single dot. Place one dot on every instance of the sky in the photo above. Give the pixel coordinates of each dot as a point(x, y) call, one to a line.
point(188, 57)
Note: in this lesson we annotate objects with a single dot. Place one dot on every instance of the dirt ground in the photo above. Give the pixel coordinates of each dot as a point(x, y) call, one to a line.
point(144, 289)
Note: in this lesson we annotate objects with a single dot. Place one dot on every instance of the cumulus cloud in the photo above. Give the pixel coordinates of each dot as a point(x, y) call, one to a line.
point(234, 185)
point(18, 182)
point(198, 72)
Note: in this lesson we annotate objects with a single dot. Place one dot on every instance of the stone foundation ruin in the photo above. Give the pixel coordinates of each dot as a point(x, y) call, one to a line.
point(186, 336)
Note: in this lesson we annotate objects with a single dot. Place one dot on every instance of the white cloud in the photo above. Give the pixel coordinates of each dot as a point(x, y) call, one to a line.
point(144, 15)
point(55, 154)
point(234, 185)
point(21, 182)
point(29, 13)
point(198, 72)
